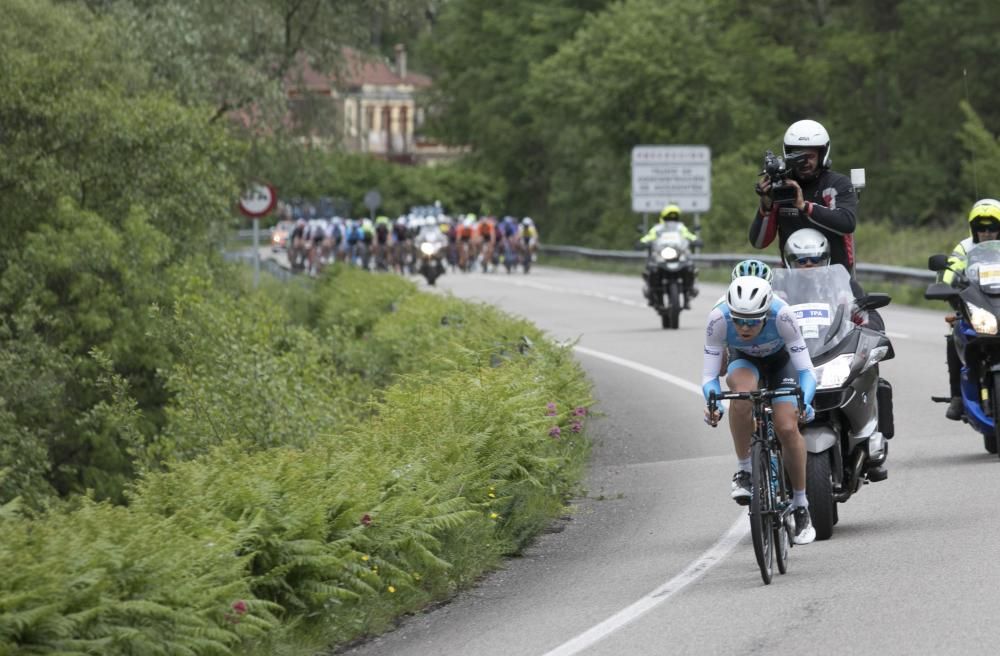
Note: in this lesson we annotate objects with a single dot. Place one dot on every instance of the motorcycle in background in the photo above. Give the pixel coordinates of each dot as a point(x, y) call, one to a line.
point(432, 246)
point(669, 273)
point(845, 443)
point(976, 300)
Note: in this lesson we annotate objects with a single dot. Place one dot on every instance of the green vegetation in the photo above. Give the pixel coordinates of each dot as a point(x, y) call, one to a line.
point(189, 465)
point(298, 508)
point(192, 466)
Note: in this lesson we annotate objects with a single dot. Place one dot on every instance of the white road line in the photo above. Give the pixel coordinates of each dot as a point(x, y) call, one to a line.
point(567, 290)
point(636, 366)
point(691, 573)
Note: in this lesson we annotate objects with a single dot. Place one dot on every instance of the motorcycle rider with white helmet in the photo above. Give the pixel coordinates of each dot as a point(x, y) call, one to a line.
point(807, 248)
point(765, 348)
point(824, 199)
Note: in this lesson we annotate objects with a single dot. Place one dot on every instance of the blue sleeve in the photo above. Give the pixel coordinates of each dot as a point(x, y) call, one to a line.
point(711, 386)
point(807, 381)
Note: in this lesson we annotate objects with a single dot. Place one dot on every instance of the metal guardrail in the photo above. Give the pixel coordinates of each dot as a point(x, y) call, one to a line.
point(888, 273)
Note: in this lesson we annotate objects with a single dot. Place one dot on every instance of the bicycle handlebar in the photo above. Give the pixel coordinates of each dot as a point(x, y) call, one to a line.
point(755, 395)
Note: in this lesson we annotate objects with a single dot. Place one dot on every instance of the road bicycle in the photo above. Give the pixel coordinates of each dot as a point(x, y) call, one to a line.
point(772, 523)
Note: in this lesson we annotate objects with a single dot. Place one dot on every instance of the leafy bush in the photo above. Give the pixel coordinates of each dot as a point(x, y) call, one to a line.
point(340, 528)
point(105, 579)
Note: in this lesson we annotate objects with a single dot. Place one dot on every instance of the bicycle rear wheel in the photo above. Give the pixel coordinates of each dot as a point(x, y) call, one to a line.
point(761, 517)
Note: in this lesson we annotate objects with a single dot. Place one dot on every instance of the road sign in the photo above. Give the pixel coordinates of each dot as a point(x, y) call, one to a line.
point(258, 200)
point(373, 200)
point(671, 174)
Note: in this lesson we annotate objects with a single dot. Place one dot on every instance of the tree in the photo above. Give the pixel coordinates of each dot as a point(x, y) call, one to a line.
point(237, 55)
point(108, 187)
point(480, 55)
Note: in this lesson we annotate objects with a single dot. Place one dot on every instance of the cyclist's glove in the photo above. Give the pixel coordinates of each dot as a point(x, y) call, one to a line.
point(707, 389)
point(809, 414)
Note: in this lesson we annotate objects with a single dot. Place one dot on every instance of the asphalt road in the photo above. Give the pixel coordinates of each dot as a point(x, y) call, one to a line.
point(656, 559)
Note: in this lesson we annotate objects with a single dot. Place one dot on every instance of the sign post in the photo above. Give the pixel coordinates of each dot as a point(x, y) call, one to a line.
point(257, 201)
point(672, 174)
point(373, 200)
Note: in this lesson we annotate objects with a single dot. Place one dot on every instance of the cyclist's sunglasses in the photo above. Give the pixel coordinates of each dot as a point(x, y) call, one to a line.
point(747, 323)
point(986, 226)
point(817, 259)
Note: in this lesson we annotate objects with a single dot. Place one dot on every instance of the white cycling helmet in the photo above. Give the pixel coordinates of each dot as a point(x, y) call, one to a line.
point(808, 134)
point(805, 244)
point(749, 297)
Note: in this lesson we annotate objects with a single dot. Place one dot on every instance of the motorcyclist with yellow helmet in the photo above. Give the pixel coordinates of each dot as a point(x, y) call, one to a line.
point(670, 221)
point(984, 225)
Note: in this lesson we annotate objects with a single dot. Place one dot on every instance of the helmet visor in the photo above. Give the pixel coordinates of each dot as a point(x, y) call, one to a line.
point(985, 224)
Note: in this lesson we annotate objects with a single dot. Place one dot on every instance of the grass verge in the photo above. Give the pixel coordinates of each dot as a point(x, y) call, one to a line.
point(307, 517)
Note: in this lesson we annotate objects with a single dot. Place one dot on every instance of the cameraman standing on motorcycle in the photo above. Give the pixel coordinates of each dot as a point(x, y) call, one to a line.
point(984, 225)
point(765, 348)
point(823, 199)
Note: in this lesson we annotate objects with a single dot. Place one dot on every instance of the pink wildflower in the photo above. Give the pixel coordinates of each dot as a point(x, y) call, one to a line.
point(580, 411)
point(576, 427)
point(240, 607)
point(550, 409)
point(366, 519)
point(555, 431)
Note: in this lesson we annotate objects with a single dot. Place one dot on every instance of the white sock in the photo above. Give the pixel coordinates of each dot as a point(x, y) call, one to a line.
point(743, 465)
point(799, 499)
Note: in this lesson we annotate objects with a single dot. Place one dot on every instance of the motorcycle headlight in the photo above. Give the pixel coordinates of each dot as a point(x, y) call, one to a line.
point(835, 372)
point(669, 253)
point(983, 321)
point(428, 248)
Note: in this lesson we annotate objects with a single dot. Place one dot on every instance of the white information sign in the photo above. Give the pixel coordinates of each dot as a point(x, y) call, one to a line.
point(671, 174)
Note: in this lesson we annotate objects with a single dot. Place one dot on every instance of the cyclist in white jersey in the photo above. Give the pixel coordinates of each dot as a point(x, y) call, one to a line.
point(765, 348)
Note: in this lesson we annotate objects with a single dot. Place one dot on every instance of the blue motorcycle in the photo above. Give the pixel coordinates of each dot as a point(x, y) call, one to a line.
point(975, 297)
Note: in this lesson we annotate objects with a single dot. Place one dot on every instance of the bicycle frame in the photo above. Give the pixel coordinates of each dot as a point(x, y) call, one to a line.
point(771, 495)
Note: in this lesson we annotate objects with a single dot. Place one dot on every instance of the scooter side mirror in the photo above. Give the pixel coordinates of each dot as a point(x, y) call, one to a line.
point(874, 301)
point(937, 262)
point(940, 291)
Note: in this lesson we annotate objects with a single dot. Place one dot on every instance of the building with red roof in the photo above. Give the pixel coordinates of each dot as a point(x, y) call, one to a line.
point(373, 105)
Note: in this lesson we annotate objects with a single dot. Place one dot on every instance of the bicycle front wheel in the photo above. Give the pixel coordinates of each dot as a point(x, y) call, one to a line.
point(782, 519)
point(761, 517)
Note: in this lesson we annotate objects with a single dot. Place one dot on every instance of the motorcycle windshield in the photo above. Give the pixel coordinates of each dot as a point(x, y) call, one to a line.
point(669, 233)
point(821, 298)
point(431, 234)
point(983, 266)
